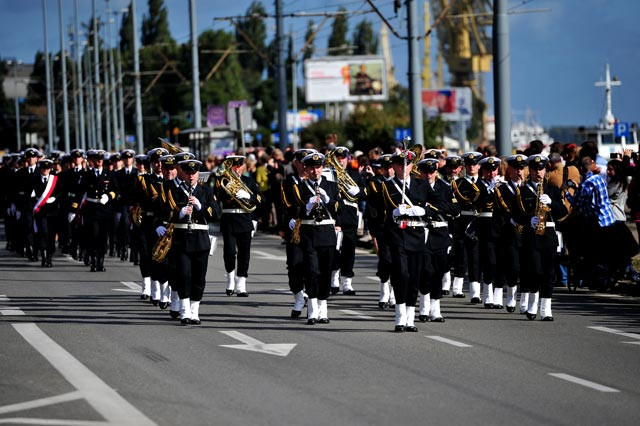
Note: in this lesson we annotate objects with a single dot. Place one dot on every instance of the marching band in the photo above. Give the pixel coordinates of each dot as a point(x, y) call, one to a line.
point(434, 227)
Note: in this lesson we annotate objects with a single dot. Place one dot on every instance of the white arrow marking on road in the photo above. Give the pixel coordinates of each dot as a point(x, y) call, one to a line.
point(267, 256)
point(254, 345)
point(449, 341)
point(583, 382)
point(357, 314)
point(618, 332)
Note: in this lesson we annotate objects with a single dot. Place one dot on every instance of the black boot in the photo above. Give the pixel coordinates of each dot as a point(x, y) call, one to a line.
point(100, 266)
point(93, 264)
point(44, 259)
point(123, 254)
point(86, 259)
point(49, 263)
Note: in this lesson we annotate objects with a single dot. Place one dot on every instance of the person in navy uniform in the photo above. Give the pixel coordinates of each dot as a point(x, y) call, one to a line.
point(295, 264)
point(45, 190)
point(318, 219)
point(450, 173)
point(237, 225)
point(405, 200)
point(539, 249)
point(189, 208)
point(23, 205)
point(100, 190)
point(126, 177)
point(71, 182)
point(441, 206)
point(509, 243)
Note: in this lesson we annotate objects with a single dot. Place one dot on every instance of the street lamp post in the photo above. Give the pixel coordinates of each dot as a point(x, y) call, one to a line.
point(15, 64)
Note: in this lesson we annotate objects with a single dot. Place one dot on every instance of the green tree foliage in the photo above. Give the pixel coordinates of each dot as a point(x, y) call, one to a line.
point(338, 44)
point(309, 50)
point(364, 39)
point(315, 133)
point(155, 25)
point(126, 32)
point(255, 29)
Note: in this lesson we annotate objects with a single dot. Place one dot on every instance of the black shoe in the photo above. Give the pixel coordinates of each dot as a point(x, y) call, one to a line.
point(475, 301)
point(163, 305)
point(143, 297)
point(531, 317)
point(547, 318)
point(101, 269)
point(488, 305)
point(324, 321)
point(311, 321)
point(511, 309)
point(349, 293)
point(383, 305)
point(154, 302)
point(295, 314)
point(439, 319)
point(411, 329)
point(229, 292)
point(174, 314)
point(423, 318)
point(185, 321)
point(93, 268)
point(335, 290)
point(112, 253)
point(49, 263)
point(195, 322)
point(43, 263)
point(243, 294)
point(445, 292)
point(498, 306)
point(399, 328)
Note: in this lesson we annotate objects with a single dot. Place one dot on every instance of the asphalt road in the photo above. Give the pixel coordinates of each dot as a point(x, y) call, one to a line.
point(80, 348)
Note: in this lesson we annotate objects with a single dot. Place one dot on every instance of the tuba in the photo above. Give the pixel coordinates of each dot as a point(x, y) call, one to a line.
point(343, 178)
point(541, 211)
point(162, 246)
point(417, 150)
point(232, 183)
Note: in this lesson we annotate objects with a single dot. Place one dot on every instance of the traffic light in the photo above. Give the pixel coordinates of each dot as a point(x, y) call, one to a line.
point(164, 117)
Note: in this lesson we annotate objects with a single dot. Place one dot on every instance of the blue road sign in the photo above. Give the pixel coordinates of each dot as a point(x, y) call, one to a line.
point(622, 129)
point(399, 133)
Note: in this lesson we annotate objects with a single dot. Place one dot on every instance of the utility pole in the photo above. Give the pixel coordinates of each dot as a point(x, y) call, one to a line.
point(96, 75)
point(47, 67)
point(195, 68)
point(74, 87)
point(91, 112)
point(114, 110)
point(294, 96)
point(107, 87)
point(83, 141)
point(16, 102)
point(415, 88)
point(120, 98)
point(63, 64)
point(281, 78)
point(136, 74)
point(501, 77)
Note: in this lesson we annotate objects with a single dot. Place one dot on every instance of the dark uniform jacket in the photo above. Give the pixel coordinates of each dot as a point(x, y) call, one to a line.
point(94, 186)
point(291, 207)
point(467, 194)
point(503, 214)
point(36, 188)
point(442, 207)
point(147, 189)
point(349, 211)
point(238, 222)
point(22, 194)
point(375, 206)
point(411, 238)
point(318, 235)
point(69, 181)
point(127, 185)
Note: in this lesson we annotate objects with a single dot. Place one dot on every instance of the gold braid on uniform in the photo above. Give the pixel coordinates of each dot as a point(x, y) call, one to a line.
point(501, 201)
point(519, 199)
point(387, 197)
point(456, 191)
point(298, 196)
point(284, 196)
point(143, 183)
point(172, 202)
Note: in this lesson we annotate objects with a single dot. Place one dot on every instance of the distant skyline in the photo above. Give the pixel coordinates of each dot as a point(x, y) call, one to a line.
point(556, 55)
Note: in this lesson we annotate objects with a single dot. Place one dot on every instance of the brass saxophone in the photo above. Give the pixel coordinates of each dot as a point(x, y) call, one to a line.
point(162, 246)
point(344, 180)
point(136, 216)
point(541, 211)
point(295, 233)
point(232, 183)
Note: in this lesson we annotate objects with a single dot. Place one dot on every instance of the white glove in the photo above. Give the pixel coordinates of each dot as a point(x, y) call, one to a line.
point(242, 194)
point(324, 195)
point(70, 217)
point(51, 200)
point(534, 221)
point(255, 225)
point(292, 224)
point(161, 230)
point(183, 212)
point(13, 209)
point(353, 190)
point(311, 204)
point(416, 211)
point(196, 203)
point(545, 199)
point(104, 199)
point(18, 214)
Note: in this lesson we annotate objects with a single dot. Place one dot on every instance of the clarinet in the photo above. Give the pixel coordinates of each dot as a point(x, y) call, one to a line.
point(189, 222)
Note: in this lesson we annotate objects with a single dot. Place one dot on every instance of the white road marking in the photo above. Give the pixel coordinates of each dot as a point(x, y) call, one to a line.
point(267, 256)
point(126, 290)
point(449, 341)
point(42, 402)
point(632, 343)
point(11, 312)
point(106, 401)
point(618, 332)
point(373, 278)
point(281, 290)
point(132, 285)
point(254, 345)
point(583, 382)
point(4, 298)
point(355, 313)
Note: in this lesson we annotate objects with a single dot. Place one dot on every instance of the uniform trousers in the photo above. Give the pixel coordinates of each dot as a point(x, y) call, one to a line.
point(145, 246)
point(384, 260)
point(436, 264)
point(46, 235)
point(487, 259)
point(98, 227)
point(123, 228)
point(295, 267)
point(406, 274)
point(190, 272)
point(345, 258)
point(538, 268)
point(236, 243)
point(472, 254)
point(507, 262)
point(317, 265)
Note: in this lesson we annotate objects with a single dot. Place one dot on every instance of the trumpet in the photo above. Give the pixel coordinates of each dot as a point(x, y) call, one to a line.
point(344, 180)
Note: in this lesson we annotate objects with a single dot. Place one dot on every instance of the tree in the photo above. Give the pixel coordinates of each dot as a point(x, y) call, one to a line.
point(255, 30)
point(364, 40)
point(308, 51)
point(338, 44)
point(126, 32)
point(155, 26)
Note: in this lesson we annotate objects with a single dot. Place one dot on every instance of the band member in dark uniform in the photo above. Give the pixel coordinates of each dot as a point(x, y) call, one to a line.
point(189, 209)
point(317, 224)
point(509, 244)
point(24, 213)
point(71, 181)
point(295, 265)
point(126, 177)
point(237, 223)
point(441, 206)
point(45, 190)
point(405, 199)
point(538, 206)
point(466, 251)
point(450, 173)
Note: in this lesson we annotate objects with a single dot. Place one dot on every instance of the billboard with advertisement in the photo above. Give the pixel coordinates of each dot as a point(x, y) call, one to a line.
point(345, 79)
point(451, 103)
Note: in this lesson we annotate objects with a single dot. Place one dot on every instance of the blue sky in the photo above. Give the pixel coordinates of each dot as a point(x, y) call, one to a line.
point(556, 56)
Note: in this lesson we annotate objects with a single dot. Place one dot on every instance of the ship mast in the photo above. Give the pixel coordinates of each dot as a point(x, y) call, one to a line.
point(608, 120)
